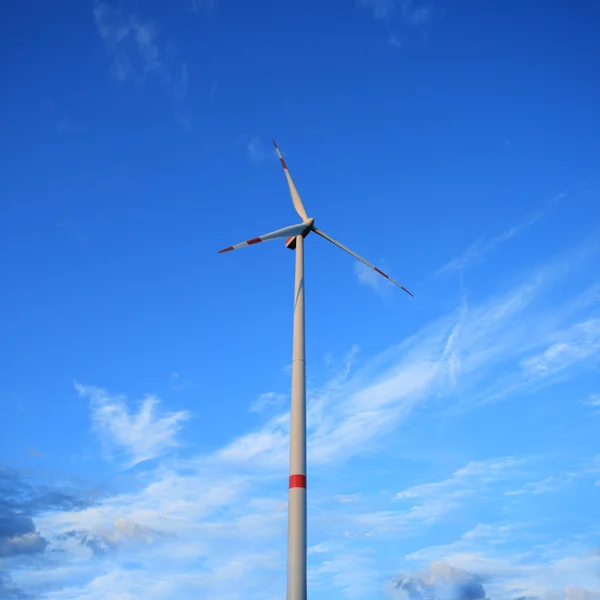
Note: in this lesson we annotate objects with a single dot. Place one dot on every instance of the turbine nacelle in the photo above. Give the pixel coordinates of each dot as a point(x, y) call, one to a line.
point(291, 241)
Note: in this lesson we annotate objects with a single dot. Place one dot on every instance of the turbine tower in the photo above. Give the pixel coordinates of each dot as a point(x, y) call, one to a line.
point(294, 235)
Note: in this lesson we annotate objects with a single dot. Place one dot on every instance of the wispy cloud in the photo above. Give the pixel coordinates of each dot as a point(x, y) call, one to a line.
point(382, 9)
point(132, 436)
point(417, 13)
point(65, 124)
point(574, 345)
point(455, 357)
point(34, 453)
point(411, 12)
point(426, 505)
point(479, 249)
point(545, 486)
point(131, 42)
point(267, 400)
point(368, 277)
point(401, 17)
point(255, 150)
point(206, 5)
point(593, 400)
point(436, 499)
point(137, 54)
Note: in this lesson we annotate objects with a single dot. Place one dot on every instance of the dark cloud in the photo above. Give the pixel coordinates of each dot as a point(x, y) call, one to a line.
point(20, 502)
point(97, 544)
point(443, 582)
point(124, 532)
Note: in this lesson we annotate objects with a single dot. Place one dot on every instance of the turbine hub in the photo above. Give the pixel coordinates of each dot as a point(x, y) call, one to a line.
point(291, 242)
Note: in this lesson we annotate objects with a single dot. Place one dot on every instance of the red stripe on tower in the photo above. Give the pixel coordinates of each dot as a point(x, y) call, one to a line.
point(297, 481)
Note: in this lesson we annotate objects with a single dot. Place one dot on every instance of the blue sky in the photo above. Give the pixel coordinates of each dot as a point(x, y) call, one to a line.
point(453, 445)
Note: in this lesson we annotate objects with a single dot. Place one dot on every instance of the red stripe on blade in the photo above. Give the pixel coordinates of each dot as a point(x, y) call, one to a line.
point(382, 273)
point(225, 250)
point(297, 481)
point(254, 241)
point(283, 163)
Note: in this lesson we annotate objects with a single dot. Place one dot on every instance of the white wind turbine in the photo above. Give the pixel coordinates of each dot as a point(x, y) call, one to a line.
point(295, 234)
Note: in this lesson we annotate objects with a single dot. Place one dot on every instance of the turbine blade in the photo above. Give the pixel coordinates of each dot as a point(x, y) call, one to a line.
point(286, 232)
point(293, 191)
point(362, 260)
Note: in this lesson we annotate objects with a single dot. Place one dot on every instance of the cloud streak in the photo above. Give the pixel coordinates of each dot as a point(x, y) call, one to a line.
point(137, 55)
point(479, 249)
point(401, 17)
point(132, 436)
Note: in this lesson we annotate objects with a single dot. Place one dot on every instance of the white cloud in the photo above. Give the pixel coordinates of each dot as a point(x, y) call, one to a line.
point(574, 345)
point(434, 500)
point(131, 42)
point(267, 400)
point(354, 574)
point(193, 527)
point(134, 436)
point(593, 400)
point(545, 486)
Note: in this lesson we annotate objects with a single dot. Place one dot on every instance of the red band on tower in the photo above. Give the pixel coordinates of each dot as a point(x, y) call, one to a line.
point(297, 481)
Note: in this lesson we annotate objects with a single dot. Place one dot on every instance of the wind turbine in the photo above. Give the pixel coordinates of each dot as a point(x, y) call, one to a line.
point(295, 234)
